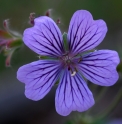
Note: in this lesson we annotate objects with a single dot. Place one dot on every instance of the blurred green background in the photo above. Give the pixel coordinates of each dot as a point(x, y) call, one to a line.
point(15, 108)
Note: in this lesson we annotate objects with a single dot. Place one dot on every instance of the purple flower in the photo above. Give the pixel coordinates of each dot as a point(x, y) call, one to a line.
point(68, 65)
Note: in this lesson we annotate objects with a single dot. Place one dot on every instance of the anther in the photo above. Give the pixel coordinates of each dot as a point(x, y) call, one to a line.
point(68, 68)
point(73, 74)
point(6, 24)
point(79, 60)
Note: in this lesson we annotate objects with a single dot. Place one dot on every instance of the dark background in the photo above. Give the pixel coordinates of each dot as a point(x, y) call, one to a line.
point(15, 108)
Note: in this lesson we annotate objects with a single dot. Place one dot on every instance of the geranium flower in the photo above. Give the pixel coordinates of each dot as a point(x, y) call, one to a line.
point(68, 63)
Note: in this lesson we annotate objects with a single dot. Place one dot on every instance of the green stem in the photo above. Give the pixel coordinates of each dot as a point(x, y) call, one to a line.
point(98, 97)
point(111, 108)
point(101, 94)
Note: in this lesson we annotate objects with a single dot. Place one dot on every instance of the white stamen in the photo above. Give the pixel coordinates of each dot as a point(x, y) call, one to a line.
point(73, 74)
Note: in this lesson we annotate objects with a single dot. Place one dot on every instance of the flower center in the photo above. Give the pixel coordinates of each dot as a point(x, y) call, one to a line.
point(68, 62)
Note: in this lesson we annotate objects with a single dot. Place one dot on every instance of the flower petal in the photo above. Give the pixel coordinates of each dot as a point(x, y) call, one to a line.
point(100, 67)
point(39, 77)
point(44, 38)
point(85, 33)
point(72, 94)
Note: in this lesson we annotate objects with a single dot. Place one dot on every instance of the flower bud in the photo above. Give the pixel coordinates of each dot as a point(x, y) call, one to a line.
point(9, 41)
point(58, 21)
point(31, 18)
point(48, 12)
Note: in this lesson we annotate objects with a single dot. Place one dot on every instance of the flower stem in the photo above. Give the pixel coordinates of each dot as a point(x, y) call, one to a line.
point(116, 100)
point(98, 97)
point(101, 94)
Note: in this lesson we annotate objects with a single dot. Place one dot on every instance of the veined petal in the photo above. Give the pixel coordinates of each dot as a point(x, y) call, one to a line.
point(99, 67)
point(44, 38)
point(39, 77)
point(72, 94)
point(85, 33)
